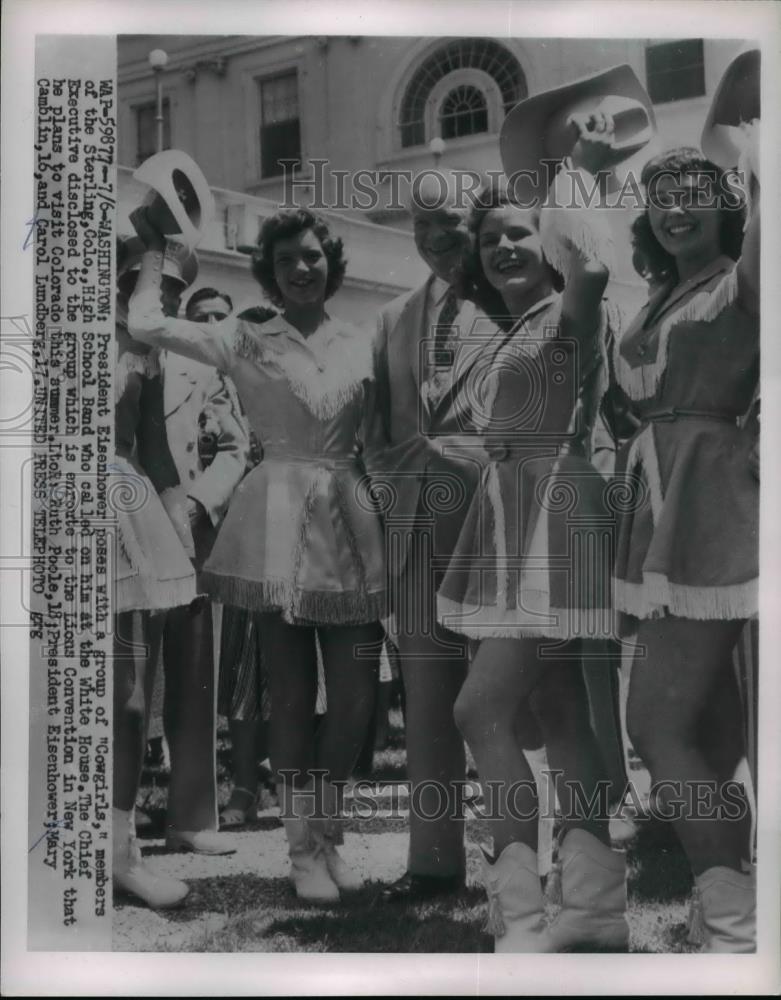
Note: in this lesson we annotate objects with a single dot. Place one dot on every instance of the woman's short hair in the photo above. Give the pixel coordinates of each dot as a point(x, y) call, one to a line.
point(289, 223)
point(475, 286)
point(675, 163)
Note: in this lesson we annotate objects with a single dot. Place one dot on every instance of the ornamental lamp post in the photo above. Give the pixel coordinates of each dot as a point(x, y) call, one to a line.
point(158, 60)
point(436, 147)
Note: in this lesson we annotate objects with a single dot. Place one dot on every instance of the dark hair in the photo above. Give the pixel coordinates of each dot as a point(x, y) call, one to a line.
point(649, 258)
point(206, 293)
point(475, 286)
point(284, 225)
point(676, 162)
point(257, 314)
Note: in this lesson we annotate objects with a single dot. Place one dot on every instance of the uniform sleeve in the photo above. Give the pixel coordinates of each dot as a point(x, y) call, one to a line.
point(215, 486)
point(209, 343)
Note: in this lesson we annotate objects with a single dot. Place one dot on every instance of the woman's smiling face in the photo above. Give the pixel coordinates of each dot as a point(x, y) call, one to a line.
point(684, 215)
point(300, 268)
point(511, 251)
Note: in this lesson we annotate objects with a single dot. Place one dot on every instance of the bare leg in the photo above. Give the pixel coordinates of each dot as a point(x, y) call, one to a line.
point(684, 661)
point(503, 675)
point(562, 704)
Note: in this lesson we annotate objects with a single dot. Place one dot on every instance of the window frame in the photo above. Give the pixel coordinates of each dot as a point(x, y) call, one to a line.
point(252, 77)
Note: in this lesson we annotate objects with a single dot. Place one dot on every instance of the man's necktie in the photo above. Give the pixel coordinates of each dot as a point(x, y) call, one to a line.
point(443, 330)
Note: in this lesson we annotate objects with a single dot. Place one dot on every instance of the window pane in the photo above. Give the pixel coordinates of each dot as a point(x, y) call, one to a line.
point(675, 70)
point(463, 112)
point(280, 126)
point(281, 141)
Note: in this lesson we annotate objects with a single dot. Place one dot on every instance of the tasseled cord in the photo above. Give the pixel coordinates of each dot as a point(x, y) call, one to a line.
point(553, 889)
point(697, 932)
point(494, 923)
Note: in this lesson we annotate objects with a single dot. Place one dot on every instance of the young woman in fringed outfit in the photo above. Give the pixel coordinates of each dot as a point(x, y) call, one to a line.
point(540, 586)
point(687, 560)
point(153, 573)
point(301, 542)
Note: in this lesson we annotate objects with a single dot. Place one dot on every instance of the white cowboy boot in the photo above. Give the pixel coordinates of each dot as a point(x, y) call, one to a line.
point(328, 836)
point(593, 888)
point(328, 833)
point(130, 874)
point(515, 904)
point(308, 868)
point(728, 900)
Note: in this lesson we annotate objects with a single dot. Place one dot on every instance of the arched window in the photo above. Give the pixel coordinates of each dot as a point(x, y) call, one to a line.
point(464, 110)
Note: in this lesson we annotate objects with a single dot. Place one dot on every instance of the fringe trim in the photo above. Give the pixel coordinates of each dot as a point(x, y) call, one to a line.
point(318, 483)
point(568, 229)
point(642, 455)
point(494, 494)
point(494, 923)
point(325, 388)
point(488, 391)
point(146, 365)
point(352, 541)
point(489, 622)
point(140, 593)
point(297, 606)
point(553, 887)
point(644, 381)
point(696, 931)
point(656, 596)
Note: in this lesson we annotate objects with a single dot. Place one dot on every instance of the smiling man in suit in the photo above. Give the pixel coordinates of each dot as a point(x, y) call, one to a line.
point(423, 446)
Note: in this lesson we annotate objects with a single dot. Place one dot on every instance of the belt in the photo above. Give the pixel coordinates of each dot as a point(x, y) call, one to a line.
point(674, 413)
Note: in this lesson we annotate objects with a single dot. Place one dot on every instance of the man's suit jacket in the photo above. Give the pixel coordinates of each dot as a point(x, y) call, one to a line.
point(429, 458)
point(189, 390)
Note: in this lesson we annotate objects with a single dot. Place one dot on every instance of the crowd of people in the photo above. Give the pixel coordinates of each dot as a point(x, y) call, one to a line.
point(433, 486)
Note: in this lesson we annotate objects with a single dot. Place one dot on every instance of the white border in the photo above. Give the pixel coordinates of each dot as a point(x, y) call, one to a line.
point(141, 974)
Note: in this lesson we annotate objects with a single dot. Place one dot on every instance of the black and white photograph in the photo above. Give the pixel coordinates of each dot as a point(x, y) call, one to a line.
point(382, 499)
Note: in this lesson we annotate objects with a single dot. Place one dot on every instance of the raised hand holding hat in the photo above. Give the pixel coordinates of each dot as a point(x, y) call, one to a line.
point(594, 147)
point(179, 203)
point(539, 130)
point(735, 104)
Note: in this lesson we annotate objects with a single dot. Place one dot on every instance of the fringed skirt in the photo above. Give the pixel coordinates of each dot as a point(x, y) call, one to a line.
point(535, 554)
point(153, 571)
point(301, 538)
point(688, 541)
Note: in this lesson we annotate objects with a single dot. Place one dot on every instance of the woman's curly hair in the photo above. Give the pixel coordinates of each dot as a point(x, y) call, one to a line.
point(474, 284)
point(660, 265)
point(289, 223)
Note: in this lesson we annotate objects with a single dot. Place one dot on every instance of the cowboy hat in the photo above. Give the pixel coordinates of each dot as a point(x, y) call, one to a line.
point(538, 129)
point(180, 202)
point(737, 99)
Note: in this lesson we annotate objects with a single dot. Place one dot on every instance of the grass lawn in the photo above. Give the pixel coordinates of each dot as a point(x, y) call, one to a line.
point(244, 902)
